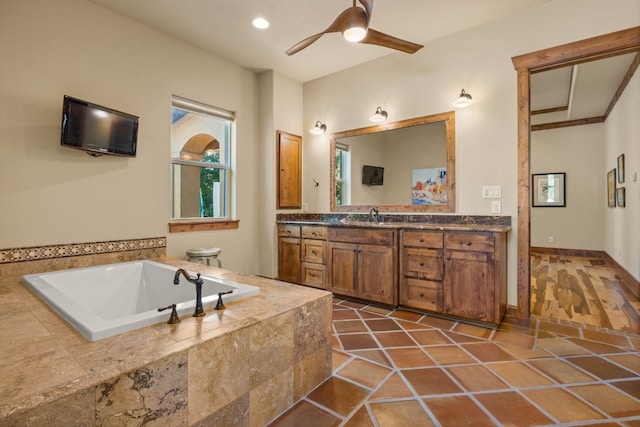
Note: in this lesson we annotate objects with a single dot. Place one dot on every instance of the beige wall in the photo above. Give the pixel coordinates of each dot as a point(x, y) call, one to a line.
point(576, 151)
point(50, 194)
point(622, 134)
point(478, 60)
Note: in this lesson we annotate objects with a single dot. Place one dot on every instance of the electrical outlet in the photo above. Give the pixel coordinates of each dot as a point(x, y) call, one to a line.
point(496, 206)
point(305, 207)
point(550, 239)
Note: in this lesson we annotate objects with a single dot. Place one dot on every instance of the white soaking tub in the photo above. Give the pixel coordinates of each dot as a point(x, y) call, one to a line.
point(108, 300)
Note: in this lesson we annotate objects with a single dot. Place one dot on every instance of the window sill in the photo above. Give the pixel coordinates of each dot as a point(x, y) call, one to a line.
point(203, 225)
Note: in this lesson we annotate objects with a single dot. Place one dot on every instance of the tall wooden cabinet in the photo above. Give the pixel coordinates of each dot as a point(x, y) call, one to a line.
point(289, 171)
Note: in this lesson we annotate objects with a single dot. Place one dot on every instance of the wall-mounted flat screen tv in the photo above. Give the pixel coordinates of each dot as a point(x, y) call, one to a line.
point(372, 175)
point(98, 130)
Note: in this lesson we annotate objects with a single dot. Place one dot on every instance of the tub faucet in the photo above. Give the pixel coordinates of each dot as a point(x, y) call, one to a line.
point(373, 215)
point(198, 282)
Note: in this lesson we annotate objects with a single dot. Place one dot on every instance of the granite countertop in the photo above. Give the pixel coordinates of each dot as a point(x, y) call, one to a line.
point(415, 222)
point(43, 358)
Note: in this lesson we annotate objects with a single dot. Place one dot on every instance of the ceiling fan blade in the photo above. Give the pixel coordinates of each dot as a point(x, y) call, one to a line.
point(368, 7)
point(304, 43)
point(381, 39)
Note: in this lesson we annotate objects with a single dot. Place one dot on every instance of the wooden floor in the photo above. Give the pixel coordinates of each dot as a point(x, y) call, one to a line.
point(581, 289)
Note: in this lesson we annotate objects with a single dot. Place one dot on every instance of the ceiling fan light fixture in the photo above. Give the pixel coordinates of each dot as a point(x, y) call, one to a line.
point(354, 34)
point(464, 100)
point(379, 116)
point(319, 128)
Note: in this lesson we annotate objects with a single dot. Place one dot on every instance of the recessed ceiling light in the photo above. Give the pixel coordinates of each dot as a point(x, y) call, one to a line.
point(261, 23)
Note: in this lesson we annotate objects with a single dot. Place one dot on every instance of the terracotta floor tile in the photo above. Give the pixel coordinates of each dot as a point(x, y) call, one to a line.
point(412, 357)
point(522, 340)
point(374, 355)
point(407, 315)
point(380, 325)
point(378, 310)
point(630, 361)
point(339, 395)
point(608, 399)
point(455, 411)
point(518, 374)
point(488, 352)
point(357, 341)
point(562, 405)
point(476, 331)
point(437, 322)
point(410, 326)
point(617, 340)
point(365, 373)
point(429, 337)
point(600, 367)
point(559, 329)
point(394, 339)
point(476, 378)
point(400, 414)
point(370, 315)
point(449, 355)
point(461, 338)
point(335, 343)
point(561, 347)
point(561, 372)
point(360, 419)
point(510, 408)
point(353, 304)
point(631, 387)
point(338, 358)
point(635, 342)
point(430, 381)
point(525, 353)
point(304, 413)
point(514, 328)
point(393, 388)
point(348, 326)
point(345, 315)
point(596, 346)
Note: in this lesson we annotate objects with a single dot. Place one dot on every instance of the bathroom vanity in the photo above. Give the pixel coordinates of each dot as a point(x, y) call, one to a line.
point(456, 268)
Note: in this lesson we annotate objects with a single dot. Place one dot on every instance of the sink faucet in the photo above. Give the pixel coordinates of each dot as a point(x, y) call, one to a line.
point(198, 282)
point(373, 215)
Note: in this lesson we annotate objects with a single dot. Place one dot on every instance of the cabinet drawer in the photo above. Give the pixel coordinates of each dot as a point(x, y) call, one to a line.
point(313, 275)
point(313, 251)
point(311, 232)
point(422, 294)
point(362, 235)
point(289, 230)
point(422, 239)
point(422, 263)
point(478, 242)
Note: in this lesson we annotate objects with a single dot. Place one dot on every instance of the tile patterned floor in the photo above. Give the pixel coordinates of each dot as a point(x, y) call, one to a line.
point(399, 368)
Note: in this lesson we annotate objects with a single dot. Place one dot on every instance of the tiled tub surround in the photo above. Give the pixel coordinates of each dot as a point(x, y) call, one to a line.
point(242, 366)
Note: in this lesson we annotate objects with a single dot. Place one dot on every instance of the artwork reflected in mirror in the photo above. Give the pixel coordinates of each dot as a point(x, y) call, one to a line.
point(404, 166)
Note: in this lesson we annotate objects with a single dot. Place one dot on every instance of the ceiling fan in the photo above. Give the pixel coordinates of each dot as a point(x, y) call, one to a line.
point(353, 23)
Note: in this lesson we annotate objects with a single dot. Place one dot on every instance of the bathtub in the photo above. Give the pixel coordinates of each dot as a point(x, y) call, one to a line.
point(108, 300)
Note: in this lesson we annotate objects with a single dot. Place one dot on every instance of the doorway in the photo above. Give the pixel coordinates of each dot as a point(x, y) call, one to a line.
point(582, 51)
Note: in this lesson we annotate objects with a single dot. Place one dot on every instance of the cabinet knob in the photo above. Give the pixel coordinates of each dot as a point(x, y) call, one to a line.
point(448, 258)
point(422, 264)
point(421, 240)
point(288, 232)
point(314, 252)
point(421, 295)
point(468, 243)
point(313, 233)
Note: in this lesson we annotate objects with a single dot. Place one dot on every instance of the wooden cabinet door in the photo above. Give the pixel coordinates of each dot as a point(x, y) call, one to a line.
point(376, 273)
point(289, 171)
point(469, 285)
point(289, 259)
point(343, 261)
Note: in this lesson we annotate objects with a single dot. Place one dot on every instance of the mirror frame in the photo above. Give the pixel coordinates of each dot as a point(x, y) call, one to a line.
point(450, 125)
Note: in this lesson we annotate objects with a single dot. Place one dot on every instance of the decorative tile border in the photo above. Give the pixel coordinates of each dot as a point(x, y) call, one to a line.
point(77, 249)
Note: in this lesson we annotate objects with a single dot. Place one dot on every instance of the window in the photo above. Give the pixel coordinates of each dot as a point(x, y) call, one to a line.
point(200, 160)
point(342, 174)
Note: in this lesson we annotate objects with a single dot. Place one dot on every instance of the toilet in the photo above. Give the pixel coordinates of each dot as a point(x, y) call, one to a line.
point(205, 255)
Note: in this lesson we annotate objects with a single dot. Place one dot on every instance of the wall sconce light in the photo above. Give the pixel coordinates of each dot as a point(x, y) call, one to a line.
point(379, 116)
point(319, 128)
point(464, 100)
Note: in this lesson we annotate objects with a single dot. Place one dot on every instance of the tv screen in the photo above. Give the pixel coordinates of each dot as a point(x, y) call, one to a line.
point(97, 129)
point(372, 175)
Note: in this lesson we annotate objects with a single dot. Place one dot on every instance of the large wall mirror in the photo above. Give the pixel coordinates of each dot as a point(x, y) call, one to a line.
point(404, 166)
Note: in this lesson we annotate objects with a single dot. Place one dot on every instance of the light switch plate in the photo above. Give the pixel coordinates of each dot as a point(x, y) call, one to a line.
point(491, 192)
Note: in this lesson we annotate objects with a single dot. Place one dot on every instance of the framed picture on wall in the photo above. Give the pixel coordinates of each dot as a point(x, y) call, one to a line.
point(621, 168)
point(548, 189)
point(620, 197)
point(611, 188)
